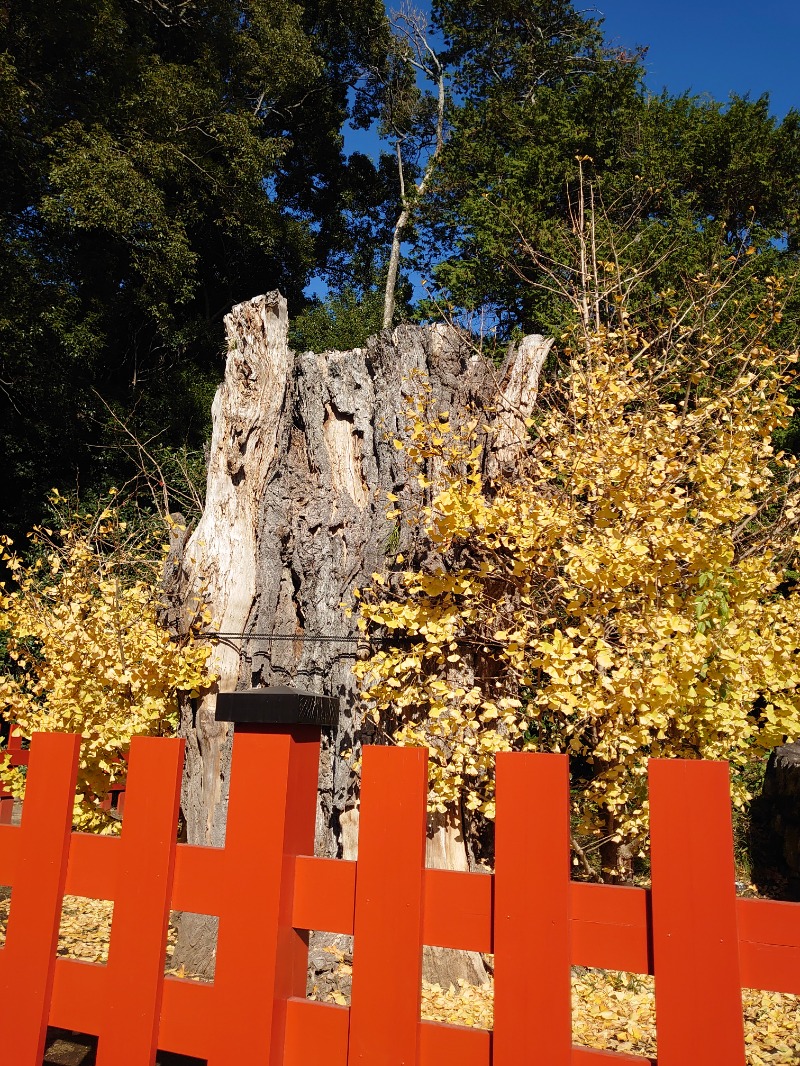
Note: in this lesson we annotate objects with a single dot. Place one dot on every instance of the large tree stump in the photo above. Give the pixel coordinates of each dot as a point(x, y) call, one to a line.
point(302, 457)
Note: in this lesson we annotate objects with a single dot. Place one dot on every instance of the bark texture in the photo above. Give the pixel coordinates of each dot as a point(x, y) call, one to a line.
point(301, 459)
point(775, 826)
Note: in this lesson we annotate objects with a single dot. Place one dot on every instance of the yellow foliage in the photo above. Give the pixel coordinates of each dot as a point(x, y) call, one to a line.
point(627, 593)
point(85, 650)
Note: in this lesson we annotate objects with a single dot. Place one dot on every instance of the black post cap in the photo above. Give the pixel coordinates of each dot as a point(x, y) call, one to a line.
point(277, 705)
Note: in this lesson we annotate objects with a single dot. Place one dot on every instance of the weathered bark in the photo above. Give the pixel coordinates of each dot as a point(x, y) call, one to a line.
point(302, 457)
point(775, 826)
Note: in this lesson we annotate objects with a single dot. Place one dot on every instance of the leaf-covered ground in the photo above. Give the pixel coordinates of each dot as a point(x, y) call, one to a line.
point(617, 1011)
point(609, 1010)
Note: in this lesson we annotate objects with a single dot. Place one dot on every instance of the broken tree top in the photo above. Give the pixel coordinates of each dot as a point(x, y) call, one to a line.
point(277, 705)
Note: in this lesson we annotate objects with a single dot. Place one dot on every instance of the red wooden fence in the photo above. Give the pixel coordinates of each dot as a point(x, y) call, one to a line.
point(701, 942)
point(18, 757)
point(114, 799)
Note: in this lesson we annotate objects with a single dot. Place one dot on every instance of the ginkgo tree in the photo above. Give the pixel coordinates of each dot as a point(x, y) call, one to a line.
point(629, 591)
point(85, 651)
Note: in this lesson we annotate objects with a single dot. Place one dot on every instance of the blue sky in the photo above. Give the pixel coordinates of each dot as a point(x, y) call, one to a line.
point(713, 46)
point(708, 47)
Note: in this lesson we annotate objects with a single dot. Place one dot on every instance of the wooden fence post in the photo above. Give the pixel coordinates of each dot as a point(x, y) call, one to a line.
point(38, 850)
point(695, 938)
point(387, 941)
point(261, 958)
point(141, 908)
point(532, 990)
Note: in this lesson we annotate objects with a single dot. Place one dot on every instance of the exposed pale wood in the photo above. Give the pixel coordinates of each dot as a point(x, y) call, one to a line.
point(302, 457)
point(517, 394)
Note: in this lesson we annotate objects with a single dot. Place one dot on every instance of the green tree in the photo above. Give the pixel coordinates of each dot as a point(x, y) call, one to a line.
point(539, 102)
point(343, 320)
point(158, 163)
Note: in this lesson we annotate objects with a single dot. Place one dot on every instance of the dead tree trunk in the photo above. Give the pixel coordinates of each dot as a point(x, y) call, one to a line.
point(302, 457)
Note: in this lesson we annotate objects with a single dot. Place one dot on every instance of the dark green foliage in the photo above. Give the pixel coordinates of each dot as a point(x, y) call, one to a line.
point(158, 163)
point(541, 106)
point(342, 321)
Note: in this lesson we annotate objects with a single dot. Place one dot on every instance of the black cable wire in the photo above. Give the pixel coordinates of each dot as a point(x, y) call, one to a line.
point(314, 638)
point(323, 638)
point(292, 636)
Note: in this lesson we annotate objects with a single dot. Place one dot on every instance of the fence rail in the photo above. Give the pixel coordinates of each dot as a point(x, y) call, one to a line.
point(701, 942)
point(18, 756)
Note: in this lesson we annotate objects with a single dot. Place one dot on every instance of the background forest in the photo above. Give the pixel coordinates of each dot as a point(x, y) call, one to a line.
point(160, 162)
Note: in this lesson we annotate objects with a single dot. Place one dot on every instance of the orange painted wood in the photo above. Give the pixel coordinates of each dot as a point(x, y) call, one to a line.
point(324, 894)
point(532, 987)
point(458, 910)
point(695, 942)
point(132, 1005)
point(198, 873)
point(261, 959)
point(610, 927)
point(11, 850)
point(27, 962)
point(444, 1044)
point(121, 1001)
point(608, 922)
point(387, 943)
point(189, 1022)
point(769, 944)
point(94, 866)
point(78, 989)
point(316, 1033)
point(267, 888)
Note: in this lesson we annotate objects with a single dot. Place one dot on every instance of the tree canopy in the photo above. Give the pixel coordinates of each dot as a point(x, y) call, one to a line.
point(158, 163)
point(626, 588)
point(161, 162)
point(537, 101)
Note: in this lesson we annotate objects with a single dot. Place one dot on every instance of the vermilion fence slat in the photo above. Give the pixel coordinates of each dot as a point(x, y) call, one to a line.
point(261, 959)
point(769, 944)
point(458, 910)
point(609, 927)
point(532, 991)
point(324, 894)
point(199, 871)
point(27, 963)
point(94, 866)
point(79, 990)
point(316, 1033)
point(695, 939)
point(265, 882)
point(121, 1001)
point(440, 1045)
point(387, 944)
point(142, 904)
